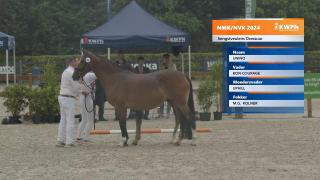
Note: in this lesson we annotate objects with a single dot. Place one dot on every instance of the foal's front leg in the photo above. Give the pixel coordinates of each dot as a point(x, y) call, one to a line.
point(138, 127)
point(189, 122)
point(123, 126)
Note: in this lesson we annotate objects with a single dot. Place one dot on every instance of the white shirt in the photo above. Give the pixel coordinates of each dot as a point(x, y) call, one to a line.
point(68, 85)
point(88, 80)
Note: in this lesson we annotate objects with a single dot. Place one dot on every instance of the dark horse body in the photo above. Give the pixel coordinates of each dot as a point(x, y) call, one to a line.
point(126, 89)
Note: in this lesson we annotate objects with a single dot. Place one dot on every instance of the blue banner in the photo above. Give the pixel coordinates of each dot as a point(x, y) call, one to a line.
point(264, 79)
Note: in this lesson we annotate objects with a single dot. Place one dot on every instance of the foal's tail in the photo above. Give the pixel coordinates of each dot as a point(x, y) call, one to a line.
point(190, 124)
point(191, 104)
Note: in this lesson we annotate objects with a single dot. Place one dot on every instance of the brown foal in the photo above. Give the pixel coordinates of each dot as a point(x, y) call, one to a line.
point(125, 89)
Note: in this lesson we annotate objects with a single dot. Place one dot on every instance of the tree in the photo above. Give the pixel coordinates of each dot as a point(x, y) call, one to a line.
point(295, 9)
point(55, 27)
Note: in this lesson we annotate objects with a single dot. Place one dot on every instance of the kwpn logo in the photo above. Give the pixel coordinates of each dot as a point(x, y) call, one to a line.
point(286, 27)
point(175, 39)
point(86, 40)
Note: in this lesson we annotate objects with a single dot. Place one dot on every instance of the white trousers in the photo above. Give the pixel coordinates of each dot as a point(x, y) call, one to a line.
point(66, 125)
point(86, 124)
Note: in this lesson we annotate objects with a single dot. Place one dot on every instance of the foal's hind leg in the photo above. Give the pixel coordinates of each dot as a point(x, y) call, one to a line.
point(138, 127)
point(189, 118)
point(123, 125)
point(177, 122)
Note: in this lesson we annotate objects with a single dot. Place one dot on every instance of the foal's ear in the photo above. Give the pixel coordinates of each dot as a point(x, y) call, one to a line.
point(88, 53)
point(85, 51)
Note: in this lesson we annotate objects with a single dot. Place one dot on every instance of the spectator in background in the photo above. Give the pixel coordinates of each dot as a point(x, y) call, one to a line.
point(121, 61)
point(141, 69)
point(166, 64)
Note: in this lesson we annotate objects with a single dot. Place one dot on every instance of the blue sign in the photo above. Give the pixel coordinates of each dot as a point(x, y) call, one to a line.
point(264, 80)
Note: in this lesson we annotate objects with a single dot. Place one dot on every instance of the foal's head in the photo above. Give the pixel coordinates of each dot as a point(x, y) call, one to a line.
point(84, 66)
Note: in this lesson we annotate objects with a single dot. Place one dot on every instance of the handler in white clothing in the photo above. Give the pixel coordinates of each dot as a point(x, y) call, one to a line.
point(69, 91)
point(86, 102)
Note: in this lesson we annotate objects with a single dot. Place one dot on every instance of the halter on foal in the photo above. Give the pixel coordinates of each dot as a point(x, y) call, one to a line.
point(126, 89)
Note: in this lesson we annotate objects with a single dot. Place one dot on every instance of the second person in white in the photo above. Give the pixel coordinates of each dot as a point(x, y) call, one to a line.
point(86, 103)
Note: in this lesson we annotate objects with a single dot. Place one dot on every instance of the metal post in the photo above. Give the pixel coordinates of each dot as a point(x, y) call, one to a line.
point(7, 64)
point(182, 62)
point(20, 70)
point(14, 65)
point(30, 81)
point(81, 42)
point(309, 107)
point(189, 54)
point(250, 10)
point(109, 9)
point(94, 105)
point(109, 54)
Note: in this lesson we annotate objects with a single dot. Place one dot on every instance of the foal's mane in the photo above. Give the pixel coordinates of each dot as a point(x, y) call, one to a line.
point(114, 65)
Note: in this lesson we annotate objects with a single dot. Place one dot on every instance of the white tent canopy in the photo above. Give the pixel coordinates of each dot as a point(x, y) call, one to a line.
point(7, 43)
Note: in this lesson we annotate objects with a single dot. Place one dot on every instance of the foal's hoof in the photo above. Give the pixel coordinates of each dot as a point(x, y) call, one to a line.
point(193, 141)
point(177, 143)
point(123, 144)
point(135, 143)
point(172, 141)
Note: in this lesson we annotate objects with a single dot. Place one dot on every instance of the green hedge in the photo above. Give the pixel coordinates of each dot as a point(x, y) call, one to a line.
point(40, 61)
point(312, 59)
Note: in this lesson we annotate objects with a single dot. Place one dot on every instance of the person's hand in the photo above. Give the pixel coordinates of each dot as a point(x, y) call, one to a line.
point(77, 62)
point(84, 93)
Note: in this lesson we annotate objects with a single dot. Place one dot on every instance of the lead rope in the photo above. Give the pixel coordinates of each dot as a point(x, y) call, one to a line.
point(92, 94)
point(94, 106)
